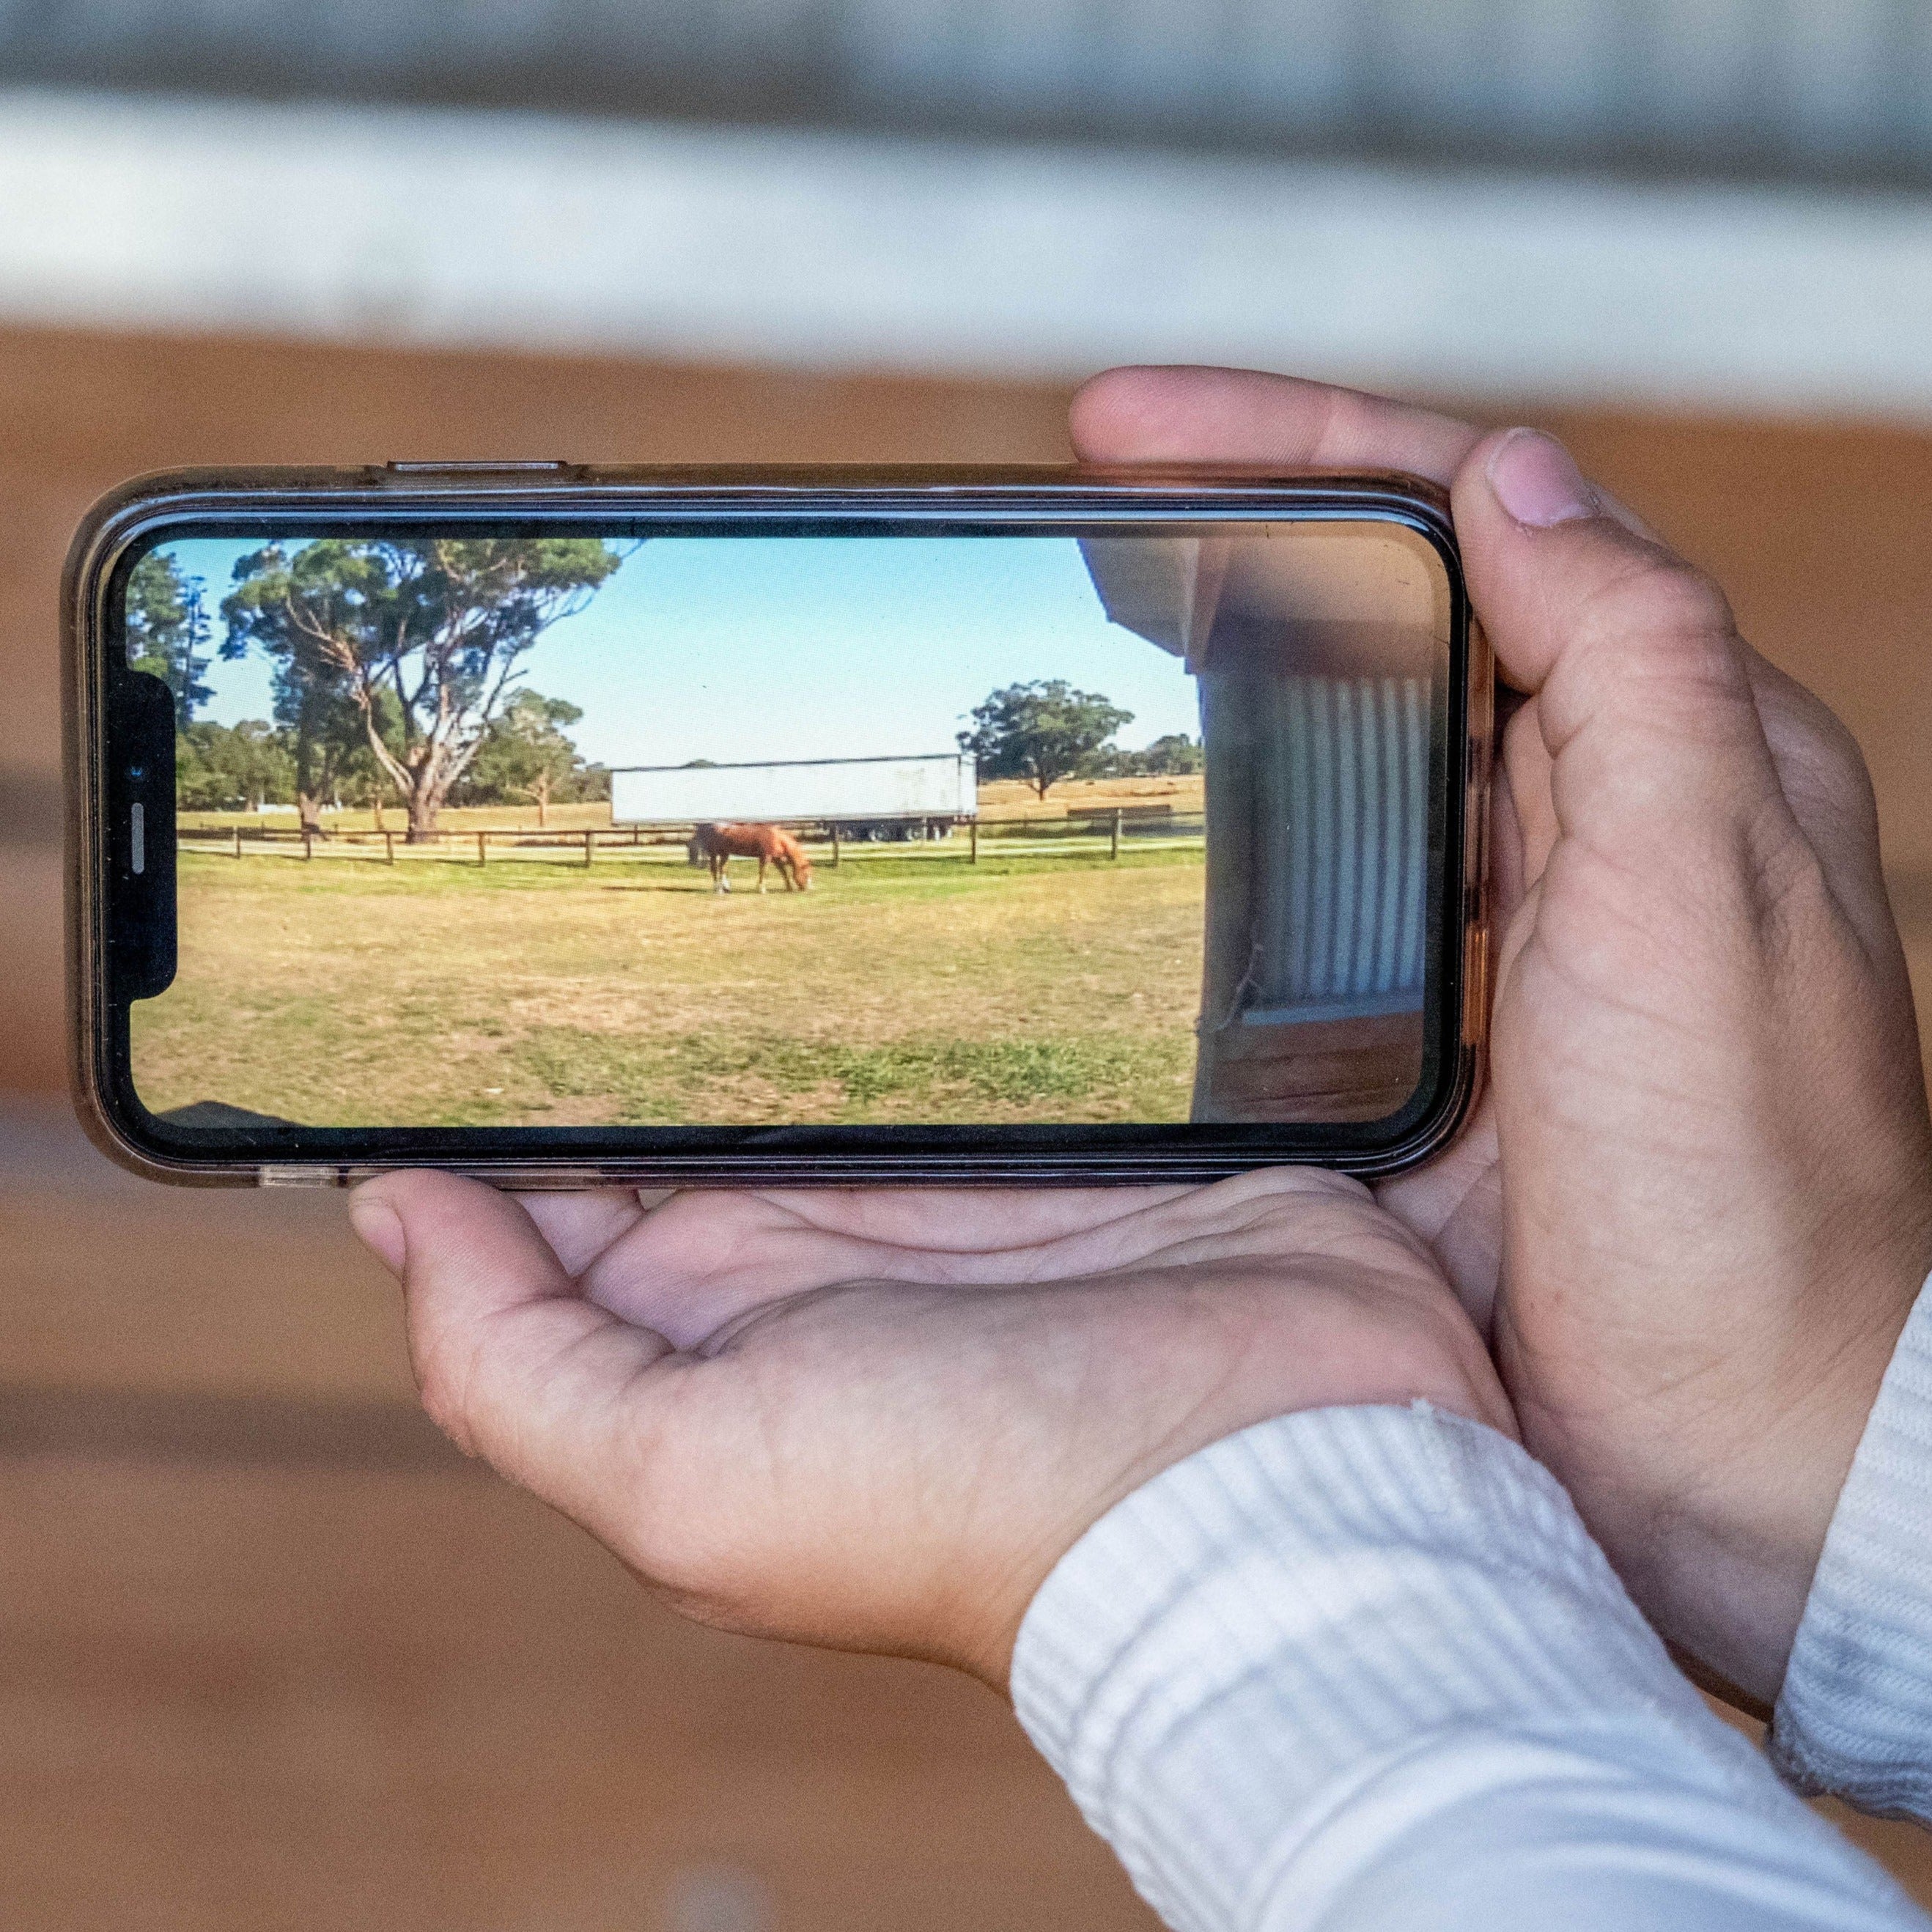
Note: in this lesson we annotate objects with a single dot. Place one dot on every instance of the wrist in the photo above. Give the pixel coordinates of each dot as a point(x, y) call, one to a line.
point(1724, 1563)
point(1419, 1353)
point(1856, 1704)
point(1276, 1658)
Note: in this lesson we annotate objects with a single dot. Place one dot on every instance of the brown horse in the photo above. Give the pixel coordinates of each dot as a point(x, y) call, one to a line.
point(719, 845)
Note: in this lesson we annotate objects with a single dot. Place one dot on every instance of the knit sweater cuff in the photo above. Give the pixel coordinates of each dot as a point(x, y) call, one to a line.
point(1855, 1716)
point(1261, 1631)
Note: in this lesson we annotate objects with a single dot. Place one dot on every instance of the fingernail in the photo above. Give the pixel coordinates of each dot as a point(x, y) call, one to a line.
point(1537, 483)
point(380, 1228)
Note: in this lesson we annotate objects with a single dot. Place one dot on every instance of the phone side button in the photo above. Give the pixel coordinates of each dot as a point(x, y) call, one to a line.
point(548, 465)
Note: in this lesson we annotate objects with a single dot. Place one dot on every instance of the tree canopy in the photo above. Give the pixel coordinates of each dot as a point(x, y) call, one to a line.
point(527, 753)
point(220, 766)
point(1173, 755)
point(420, 641)
point(167, 630)
point(1042, 732)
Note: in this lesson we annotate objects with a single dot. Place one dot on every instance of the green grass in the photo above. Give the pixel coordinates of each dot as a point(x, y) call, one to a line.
point(903, 988)
point(712, 1076)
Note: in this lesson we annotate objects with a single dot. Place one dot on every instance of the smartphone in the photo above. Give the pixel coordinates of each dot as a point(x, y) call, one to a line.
point(564, 825)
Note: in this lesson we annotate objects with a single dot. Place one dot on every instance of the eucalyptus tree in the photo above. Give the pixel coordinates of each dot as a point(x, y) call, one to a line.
point(424, 639)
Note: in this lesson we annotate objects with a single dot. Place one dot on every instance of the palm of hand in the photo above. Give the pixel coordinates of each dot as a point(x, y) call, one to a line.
point(876, 1419)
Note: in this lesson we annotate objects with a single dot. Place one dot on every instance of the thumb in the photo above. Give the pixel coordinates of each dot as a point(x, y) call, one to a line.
point(1645, 697)
point(514, 1364)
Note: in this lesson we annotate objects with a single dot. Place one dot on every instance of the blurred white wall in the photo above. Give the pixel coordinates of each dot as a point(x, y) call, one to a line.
point(807, 249)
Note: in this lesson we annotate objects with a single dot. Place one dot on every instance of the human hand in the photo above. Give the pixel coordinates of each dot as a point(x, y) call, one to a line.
point(1696, 1204)
point(875, 1420)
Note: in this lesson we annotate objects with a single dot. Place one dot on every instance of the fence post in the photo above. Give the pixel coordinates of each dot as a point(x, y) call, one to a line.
point(308, 845)
point(973, 828)
point(389, 847)
point(589, 847)
point(1115, 852)
point(238, 842)
point(482, 848)
point(835, 844)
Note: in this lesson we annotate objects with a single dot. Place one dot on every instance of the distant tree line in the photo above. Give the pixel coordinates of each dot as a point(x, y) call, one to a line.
point(1174, 755)
point(527, 758)
point(1046, 731)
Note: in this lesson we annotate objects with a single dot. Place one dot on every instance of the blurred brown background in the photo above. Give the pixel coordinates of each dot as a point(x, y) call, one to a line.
point(270, 1653)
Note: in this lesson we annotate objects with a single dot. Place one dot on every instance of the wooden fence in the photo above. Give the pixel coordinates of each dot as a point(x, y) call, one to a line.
point(1076, 834)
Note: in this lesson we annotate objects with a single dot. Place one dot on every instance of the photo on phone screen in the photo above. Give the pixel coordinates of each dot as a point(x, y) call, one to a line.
point(584, 831)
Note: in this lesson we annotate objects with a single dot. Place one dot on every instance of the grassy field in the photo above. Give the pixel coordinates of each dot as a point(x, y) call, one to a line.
point(903, 989)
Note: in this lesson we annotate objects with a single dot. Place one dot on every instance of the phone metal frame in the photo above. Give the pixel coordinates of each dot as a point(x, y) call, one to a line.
point(131, 518)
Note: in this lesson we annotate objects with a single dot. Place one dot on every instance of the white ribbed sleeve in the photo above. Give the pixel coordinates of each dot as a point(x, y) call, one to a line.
point(1363, 1669)
point(1855, 1716)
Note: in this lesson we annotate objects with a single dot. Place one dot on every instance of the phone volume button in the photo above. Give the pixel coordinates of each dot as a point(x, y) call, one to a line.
point(462, 466)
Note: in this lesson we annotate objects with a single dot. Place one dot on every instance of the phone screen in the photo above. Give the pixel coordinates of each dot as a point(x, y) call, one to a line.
point(533, 829)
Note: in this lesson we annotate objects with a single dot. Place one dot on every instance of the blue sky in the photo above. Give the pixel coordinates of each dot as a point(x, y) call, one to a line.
point(739, 649)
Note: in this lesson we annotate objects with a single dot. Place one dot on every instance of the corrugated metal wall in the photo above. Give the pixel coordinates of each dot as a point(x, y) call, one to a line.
point(1339, 928)
point(1333, 788)
point(1829, 88)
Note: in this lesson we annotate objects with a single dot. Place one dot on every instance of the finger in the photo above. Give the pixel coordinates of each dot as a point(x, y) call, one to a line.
point(704, 1259)
point(1823, 773)
point(1181, 414)
point(1454, 1203)
point(579, 1227)
point(980, 1235)
point(1454, 1200)
point(1644, 698)
point(969, 1220)
point(1513, 848)
point(1526, 775)
point(513, 1363)
point(707, 1257)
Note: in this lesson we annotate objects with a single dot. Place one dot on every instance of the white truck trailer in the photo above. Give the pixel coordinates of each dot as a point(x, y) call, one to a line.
point(921, 797)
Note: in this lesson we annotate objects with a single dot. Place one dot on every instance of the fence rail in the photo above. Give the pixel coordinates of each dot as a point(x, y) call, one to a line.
point(1076, 834)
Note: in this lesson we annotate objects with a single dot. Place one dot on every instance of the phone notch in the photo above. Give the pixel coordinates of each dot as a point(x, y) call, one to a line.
point(140, 847)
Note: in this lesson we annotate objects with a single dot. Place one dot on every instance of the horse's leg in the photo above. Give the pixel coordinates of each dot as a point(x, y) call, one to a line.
point(721, 871)
point(762, 862)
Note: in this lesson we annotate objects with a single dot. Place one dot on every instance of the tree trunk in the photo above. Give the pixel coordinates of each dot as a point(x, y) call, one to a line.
point(428, 781)
point(423, 805)
point(308, 813)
